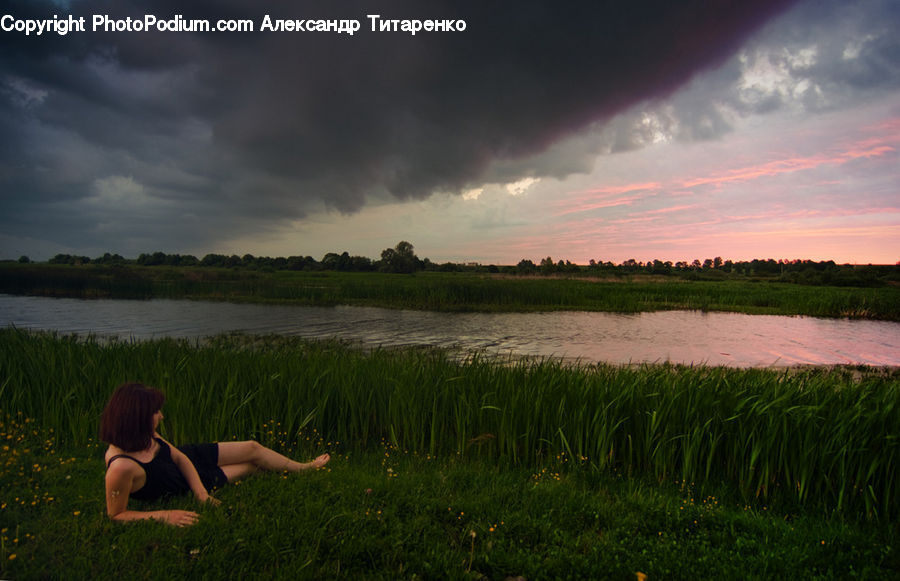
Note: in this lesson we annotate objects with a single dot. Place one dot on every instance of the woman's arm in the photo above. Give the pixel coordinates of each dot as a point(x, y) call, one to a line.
point(190, 473)
point(119, 482)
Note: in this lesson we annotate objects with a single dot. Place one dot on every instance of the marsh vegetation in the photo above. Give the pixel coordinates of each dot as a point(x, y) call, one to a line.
point(454, 291)
point(461, 467)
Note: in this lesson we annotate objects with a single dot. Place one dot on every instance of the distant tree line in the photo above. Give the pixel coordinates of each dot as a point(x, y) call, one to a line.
point(402, 259)
point(796, 271)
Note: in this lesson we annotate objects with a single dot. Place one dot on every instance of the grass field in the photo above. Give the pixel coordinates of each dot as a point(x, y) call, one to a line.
point(458, 469)
point(452, 291)
point(391, 515)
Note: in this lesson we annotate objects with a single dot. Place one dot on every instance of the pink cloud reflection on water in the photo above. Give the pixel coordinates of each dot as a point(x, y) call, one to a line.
point(685, 337)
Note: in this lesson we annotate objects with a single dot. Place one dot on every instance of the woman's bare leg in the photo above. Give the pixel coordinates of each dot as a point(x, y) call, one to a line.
point(238, 459)
point(237, 471)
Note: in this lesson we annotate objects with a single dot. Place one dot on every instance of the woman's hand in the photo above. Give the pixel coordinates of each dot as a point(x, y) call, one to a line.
point(320, 461)
point(180, 518)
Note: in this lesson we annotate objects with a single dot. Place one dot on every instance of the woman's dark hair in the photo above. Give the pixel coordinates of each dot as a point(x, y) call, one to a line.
point(127, 420)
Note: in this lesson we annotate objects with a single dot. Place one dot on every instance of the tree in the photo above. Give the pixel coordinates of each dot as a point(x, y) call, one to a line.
point(547, 266)
point(330, 261)
point(360, 263)
point(213, 260)
point(400, 259)
point(526, 266)
point(69, 259)
point(110, 259)
point(335, 261)
point(630, 265)
point(660, 267)
point(302, 263)
point(156, 259)
point(232, 261)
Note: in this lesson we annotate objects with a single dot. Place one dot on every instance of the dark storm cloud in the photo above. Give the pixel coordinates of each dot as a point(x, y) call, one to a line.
point(819, 56)
point(860, 54)
point(245, 128)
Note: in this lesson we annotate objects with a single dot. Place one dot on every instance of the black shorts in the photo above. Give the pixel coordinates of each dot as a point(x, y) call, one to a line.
point(205, 458)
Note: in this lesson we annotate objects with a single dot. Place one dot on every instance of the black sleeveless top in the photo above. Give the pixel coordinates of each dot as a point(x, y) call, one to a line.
point(164, 478)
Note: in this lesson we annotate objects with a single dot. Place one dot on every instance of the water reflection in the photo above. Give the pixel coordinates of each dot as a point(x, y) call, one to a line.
point(677, 336)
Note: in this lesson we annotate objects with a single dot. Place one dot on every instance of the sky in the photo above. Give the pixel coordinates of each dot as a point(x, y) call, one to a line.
point(632, 129)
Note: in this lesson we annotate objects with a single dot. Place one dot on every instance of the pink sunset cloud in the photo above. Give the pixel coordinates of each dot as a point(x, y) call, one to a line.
point(790, 165)
point(770, 208)
point(598, 198)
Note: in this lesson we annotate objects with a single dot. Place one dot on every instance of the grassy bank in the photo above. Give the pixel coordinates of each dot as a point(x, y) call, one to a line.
point(392, 515)
point(451, 291)
point(457, 469)
point(817, 439)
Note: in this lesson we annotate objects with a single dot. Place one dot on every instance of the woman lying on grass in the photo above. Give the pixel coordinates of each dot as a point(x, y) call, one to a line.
point(141, 464)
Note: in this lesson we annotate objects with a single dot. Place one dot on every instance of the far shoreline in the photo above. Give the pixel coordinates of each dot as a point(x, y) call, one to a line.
point(457, 291)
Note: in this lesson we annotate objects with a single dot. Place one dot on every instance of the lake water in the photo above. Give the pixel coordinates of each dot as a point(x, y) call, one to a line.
point(730, 339)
